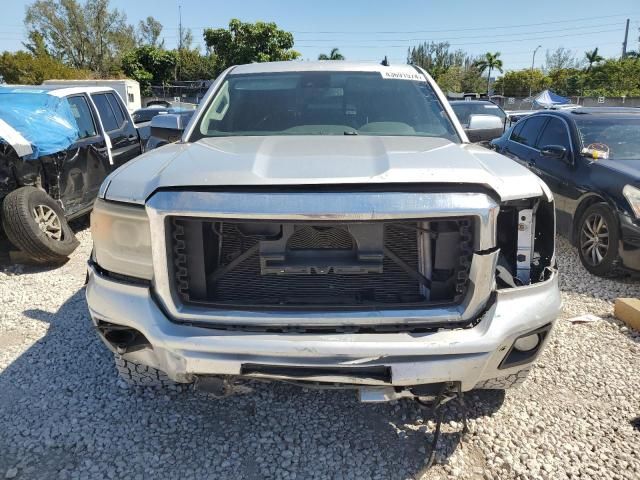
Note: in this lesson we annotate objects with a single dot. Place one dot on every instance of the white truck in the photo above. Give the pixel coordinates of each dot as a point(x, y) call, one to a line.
point(128, 89)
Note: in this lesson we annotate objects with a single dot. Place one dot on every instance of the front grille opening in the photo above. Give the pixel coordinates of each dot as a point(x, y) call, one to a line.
point(240, 264)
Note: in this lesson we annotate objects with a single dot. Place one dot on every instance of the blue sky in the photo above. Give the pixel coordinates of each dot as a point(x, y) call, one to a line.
point(369, 30)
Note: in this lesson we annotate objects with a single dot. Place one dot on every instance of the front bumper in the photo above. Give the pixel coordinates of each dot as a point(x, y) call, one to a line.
point(465, 355)
point(629, 250)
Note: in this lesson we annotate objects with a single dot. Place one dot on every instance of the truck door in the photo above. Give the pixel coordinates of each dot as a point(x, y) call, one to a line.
point(86, 163)
point(125, 143)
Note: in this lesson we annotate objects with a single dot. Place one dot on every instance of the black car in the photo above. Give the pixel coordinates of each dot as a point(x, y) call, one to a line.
point(143, 115)
point(590, 159)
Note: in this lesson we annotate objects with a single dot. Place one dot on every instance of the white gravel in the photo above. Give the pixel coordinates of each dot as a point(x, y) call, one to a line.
point(63, 413)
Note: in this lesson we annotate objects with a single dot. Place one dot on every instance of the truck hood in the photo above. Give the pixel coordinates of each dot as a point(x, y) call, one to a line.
point(319, 160)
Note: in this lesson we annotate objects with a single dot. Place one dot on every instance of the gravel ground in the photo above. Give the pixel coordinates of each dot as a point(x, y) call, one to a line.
point(63, 413)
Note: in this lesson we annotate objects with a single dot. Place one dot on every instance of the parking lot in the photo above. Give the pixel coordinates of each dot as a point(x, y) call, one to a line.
point(65, 414)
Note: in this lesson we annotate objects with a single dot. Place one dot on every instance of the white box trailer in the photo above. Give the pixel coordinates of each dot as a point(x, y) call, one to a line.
point(128, 89)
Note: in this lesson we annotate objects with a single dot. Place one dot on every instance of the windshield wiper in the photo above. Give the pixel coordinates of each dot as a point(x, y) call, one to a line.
point(351, 132)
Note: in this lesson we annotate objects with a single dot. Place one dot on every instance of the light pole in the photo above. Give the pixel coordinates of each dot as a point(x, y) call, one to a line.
point(533, 61)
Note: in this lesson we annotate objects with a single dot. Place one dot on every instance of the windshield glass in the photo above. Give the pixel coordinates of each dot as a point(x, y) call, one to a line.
point(619, 137)
point(325, 103)
point(466, 109)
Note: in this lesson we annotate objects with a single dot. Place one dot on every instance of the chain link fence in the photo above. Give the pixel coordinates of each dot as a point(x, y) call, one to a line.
point(525, 103)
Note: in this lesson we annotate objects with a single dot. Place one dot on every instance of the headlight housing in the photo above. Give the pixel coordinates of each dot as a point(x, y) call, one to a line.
point(632, 194)
point(122, 239)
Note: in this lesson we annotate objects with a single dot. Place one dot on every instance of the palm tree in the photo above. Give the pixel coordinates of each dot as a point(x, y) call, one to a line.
point(490, 62)
point(334, 55)
point(593, 57)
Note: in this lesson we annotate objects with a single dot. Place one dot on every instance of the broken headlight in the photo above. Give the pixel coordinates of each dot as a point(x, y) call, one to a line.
point(526, 238)
point(122, 239)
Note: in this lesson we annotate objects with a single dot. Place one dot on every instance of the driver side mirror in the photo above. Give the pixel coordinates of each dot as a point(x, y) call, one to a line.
point(168, 127)
point(483, 128)
point(555, 151)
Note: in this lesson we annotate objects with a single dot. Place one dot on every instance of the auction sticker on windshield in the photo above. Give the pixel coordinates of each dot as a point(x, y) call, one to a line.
point(402, 75)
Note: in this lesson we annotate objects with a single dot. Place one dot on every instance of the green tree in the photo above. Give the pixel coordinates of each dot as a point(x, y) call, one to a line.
point(491, 61)
point(437, 57)
point(195, 66)
point(87, 36)
point(334, 55)
point(613, 78)
point(25, 68)
point(149, 31)
point(36, 44)
point(453, 70)
point(249, 42)
point(593, 57)
point(149, 66)
point(561, 58)
point(515, 83)
point(460, 79)
point(566, 81)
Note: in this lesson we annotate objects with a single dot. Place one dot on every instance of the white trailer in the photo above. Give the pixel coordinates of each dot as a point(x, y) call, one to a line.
point(128, 89)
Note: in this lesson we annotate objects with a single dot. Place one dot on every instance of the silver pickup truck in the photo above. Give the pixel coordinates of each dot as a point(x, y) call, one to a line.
point(326, 224)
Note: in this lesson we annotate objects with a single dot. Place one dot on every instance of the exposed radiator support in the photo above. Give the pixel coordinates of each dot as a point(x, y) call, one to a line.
point(526, 229)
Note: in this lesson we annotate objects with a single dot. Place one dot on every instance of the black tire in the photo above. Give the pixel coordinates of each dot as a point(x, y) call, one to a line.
point(139, 375)
point(598, 237)
point(19, 210)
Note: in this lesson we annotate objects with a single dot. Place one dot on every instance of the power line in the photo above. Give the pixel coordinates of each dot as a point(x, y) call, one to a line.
point(475, 28)
point(453, 29)
point(447, 38)
point(468, 43)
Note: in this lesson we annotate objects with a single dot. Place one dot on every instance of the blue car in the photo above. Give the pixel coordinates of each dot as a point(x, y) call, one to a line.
point(590, 159)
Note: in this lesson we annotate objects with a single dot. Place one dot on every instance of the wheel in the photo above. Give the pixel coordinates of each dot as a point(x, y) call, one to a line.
point(35, 223)
point(140, 375)
point(598, 238)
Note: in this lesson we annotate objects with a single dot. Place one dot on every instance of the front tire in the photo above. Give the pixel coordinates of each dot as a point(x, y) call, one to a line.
point(598, 234)
point(35, 223)
point(138, 375)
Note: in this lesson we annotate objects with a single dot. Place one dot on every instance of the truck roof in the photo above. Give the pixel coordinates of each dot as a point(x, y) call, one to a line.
point(323, 65)
point(56, 91)
point(54, 81)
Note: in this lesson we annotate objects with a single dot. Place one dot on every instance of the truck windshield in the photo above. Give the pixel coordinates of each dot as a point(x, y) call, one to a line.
point(325, 103)
point(618, 137)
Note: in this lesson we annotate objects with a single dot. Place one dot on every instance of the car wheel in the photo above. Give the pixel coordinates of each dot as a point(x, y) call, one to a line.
point(598, 238)
point(35, 223)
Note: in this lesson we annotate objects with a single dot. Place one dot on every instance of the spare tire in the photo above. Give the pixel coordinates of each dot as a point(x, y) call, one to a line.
point(35, 223)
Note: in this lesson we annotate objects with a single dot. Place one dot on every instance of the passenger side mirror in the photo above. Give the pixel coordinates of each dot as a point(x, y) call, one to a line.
point(483, 128)
point(554, 151)
point(168, 127)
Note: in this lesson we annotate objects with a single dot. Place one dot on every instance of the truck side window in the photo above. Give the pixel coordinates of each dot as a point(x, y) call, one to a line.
point(82, 114)
point(107, 115)
point(117, 108)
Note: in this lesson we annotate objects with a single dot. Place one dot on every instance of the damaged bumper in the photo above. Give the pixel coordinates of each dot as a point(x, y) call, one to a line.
point(385, 363)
